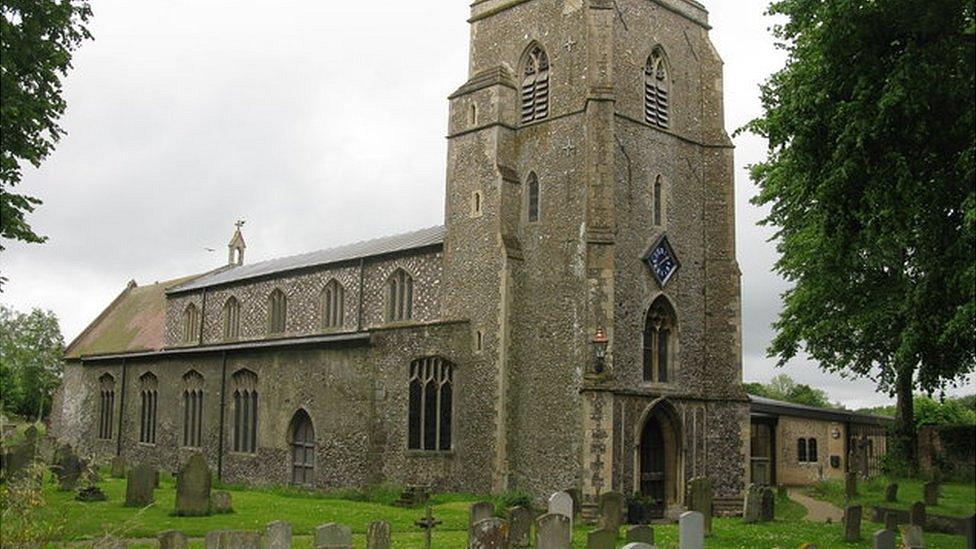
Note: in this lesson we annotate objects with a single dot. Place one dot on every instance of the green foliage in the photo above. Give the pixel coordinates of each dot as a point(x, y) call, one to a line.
point(947, 412)
point(37, 38)
point(512, 498)
point(26, 517)
point(31, 348)
point(783, 387)
point(955, 499)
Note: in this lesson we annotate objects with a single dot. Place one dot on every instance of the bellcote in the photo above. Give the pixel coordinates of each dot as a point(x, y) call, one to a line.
point(236, 246)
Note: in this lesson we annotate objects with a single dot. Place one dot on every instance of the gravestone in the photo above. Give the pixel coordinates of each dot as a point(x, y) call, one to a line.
point(916, 515)
point(883, 539)
point(639, 545)
point(333, 536)
point(850, 485)
point(931, 493)
point(891, 521)
point(118, 467)
point(562, 503)
point(232, 539)
point(911, 536)
point(611, 510)
point(139, 486)
point(90, 493)
point(552, 532)
point(172, 539)
point(852, 523)
point(752, 504)
point(520, 527)
point(640, 534)
point(277, 535)
point(378, 535)
point(601, 539)
point(691, 530)
point(701, 500)
point(193, 488)
point(16, 462)
point(490, 533)
point(577, 500)
point(220, 502)
point(891, 492)
point(480, 511)
point(767, 507)
point(971, 531)
point(68, 468)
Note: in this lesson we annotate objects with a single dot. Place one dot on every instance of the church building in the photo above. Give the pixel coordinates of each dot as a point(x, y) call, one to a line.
point(574, 323)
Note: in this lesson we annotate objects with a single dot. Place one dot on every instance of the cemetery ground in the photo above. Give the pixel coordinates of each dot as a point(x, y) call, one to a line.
point(955, 499)
point(255, 507)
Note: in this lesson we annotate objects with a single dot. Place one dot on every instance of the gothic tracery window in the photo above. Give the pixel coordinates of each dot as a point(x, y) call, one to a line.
point(431, 404)
point(245, 411)
point(400, 298)
point(535, 84)
point(656, 88)
point(333, 308)
point(659, 336)
point(192, 409)
point(106, 406)
point(812, 450)
point(232, 318)
point(191, 323)
point(277, 312)
point(148, 394)
point(801, 450)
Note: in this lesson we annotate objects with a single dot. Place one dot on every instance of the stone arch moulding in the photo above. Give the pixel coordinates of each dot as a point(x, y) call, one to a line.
point(666, 415)
point(300, 413)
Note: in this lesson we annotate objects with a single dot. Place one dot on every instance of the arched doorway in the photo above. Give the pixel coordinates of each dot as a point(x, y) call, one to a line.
point(659, 458)
point(302, 448)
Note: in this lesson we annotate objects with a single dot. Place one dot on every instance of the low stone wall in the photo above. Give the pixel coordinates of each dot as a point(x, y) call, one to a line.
point(947, 450)
point(933, 523)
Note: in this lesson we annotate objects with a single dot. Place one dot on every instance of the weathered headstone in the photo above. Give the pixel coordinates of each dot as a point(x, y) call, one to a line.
point(891, 492)
point(852, 523)
point(850, 485)
point(701, 500)
point(601, 539)
point(333, 536)
point(562, 503)
point(931, 493)
point(172, 539)
point(767, 507)
point(552, 532)
point(752, 504)
point(90, 493)
point(520, 527)
point(891, 521)
point(911, 536)
point(277, 535)
point(68, 468)
point(641, 534)
point(139, 486)
point(916, 515)
point(220, 502)
point(577, 500)
point(490, 533)
point(118, 467)
point(611, 510)
point(971, 531)
point(883, 539)
point(193, 488)
point(232, 539)
point(691, 530)
point(480, 511)
point(378, 535)
point(638, 545)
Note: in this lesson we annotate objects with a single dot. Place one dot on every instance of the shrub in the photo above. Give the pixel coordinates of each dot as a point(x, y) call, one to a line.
point(512, 498)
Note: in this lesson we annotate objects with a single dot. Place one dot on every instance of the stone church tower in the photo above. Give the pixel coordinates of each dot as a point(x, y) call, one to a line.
point(591, 242)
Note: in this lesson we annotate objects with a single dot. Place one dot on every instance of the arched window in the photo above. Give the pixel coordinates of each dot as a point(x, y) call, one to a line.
point(191, 324)
point(535, 84)
point(400, 300)
point(332, 304)
point(106, 406)
point(658, 201)
point(147, 416)
point(245, 411)
point(431, 404)
point(532, 202)
point(801, 450)
point(232, 318)
point(302, 448)
point(659, 338)
point(656, 86)
point(277, 312)
point(812, 450)
point(192, 409)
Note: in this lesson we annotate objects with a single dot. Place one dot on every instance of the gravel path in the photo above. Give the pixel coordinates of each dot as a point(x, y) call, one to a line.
point(817, 511)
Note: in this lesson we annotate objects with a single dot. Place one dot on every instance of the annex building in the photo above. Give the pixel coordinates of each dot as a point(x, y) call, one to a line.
point(575, 322)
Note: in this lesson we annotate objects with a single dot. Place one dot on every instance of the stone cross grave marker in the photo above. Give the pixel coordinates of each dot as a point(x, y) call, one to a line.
point(428, 523)
point(641, 534)
point(691, 530)
point(611, 509)
point(891, 492)
point(277, 535)
point(752, 504)
point(931, 493)
point(520, 526)
point(916, 515)
point(701, 500)
point(172, 539)
point(378, 535)
point(193, 488)
point(883, 539)
point(561, 503)
point(601, 539)
point(552, 532)
point(333, 536)
point(852, 523)
point(139, 486)
point(490, 533)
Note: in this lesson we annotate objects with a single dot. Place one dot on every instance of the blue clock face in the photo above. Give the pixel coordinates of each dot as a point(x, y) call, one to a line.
point(662, 261)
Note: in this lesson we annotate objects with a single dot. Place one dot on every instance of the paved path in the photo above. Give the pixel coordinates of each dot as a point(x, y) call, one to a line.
point(817, 511)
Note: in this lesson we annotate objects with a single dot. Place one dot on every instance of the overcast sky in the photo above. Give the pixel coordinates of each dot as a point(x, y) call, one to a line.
point(319, 123)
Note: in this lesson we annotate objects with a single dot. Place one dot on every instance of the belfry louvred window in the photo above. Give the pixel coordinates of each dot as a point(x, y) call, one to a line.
point(535, 84)
point(431, 404)
point(656, 87)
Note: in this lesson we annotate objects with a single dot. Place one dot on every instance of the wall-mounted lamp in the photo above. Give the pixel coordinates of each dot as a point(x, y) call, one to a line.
point(600, 342)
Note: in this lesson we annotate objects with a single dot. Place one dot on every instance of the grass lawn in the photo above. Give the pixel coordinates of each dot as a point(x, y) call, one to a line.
point(955, 499)
point(256, 507)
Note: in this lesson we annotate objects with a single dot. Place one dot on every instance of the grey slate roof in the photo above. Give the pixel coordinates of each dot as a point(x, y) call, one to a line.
point(763, 405)
point(378, 246)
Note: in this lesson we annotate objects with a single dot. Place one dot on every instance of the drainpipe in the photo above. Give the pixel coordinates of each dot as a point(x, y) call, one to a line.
point(118, 436)
point(220, 439)
point(359, 316)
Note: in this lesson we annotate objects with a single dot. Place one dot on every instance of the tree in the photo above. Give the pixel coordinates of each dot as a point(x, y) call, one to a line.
point(31, 350)
point(785, 388)
point(870, 183)
point(37, 38)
